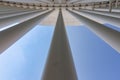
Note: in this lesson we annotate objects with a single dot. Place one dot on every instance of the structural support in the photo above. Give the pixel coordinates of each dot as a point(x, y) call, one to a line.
point(7, 15)
point(116, 3)
point(110, 36)
point(100, 17)
point(110, 6)
point(11, 35)
point(60, 64)
point(85, 6)
point(8, 21)
point(93, 6)
point(100, 5)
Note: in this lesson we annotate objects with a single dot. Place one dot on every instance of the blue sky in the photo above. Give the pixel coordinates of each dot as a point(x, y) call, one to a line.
point(26, 58)
point(112, 26)
point(94, 59)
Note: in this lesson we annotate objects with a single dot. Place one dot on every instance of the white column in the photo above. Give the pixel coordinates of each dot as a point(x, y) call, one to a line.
point(93, 6)
point(110, 36)
point(11, 35)
point(101, 18)
point(59, 65)
point(18, 13)
point(10, 20)
point(110, 6)
point(116, 4)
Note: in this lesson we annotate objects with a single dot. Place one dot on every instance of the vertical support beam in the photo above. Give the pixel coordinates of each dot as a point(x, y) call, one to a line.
point(93, 6)
point(110, 6)
point(116, 3)
point(100, 5)
point(59, 64)
point(79, 6)
point(110, 36)
point(11, 35)
point(85, 6)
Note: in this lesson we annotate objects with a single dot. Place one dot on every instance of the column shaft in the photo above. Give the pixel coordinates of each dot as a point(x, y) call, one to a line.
point(10, 20)
point(116, 3)
point(110, 6)
point(60, 64)
point(110, 36)
point(11, 35)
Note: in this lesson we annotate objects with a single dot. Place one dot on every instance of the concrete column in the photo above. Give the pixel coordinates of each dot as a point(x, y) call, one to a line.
point(110, 6)
point(12, 11)
point(11, 35)
point(93, 6)
point(116, 4)
point(8, 21)
point(101, 18)
point(85, 6)
point(6, 15)
point(59, 64)
point(80, 6)
point(110, 36)
point(100, 5)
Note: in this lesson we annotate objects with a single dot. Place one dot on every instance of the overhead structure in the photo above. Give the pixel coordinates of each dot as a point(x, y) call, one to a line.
point(18, 17)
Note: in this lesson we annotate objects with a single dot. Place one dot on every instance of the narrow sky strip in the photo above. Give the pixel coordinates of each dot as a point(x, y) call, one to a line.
point(112, 26)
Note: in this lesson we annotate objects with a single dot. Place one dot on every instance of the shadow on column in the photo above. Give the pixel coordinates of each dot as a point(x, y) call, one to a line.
point(60, 65)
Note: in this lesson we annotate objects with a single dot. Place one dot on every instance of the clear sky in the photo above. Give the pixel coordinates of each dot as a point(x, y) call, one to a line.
point(26, 58)
point(94, 59)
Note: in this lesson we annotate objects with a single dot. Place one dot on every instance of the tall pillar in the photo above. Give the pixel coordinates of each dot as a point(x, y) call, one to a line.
point(11, 35)
point(6, 21)
point(59, 64)
point(116, 3)
point(85, 6)
point(100, 4)
point(110, 36)
point(93, 6)
point(110, 6)
point(12, 14)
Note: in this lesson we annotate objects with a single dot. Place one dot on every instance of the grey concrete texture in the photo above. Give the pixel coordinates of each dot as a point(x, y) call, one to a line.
point(101, 17)
point(4, 8)
point(112, 14)
point(18, 18)
point(7, 15)
point(59, 65)
point(12, 11)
